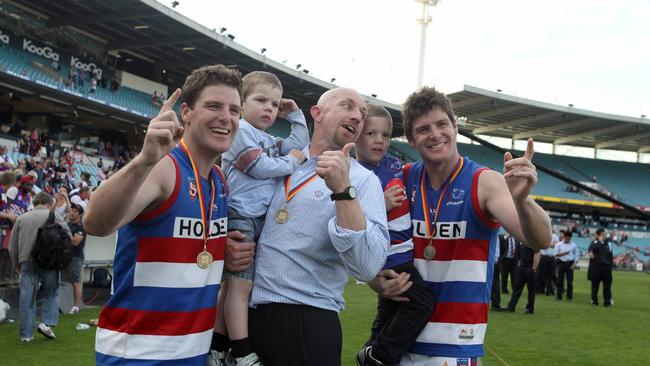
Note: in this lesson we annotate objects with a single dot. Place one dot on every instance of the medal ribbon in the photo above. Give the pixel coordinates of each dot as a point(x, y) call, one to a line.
point(425, 206)
point(197, 177)
point(289, 194)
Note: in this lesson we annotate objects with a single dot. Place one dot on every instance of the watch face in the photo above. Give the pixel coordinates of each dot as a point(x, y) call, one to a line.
point(352, 192)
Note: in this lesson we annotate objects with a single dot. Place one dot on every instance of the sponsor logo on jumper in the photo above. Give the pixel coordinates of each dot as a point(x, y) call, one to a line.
point(441, 230)
point(192, 228)
point(4, 38)
point(466, 333)
point(90, 66)
point(192, 190)
point(44, 51)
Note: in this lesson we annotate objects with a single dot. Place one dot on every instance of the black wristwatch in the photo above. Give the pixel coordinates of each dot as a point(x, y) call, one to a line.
point(349, 193)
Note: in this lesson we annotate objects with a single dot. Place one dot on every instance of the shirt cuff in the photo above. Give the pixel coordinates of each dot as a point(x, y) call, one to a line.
point(343, 239)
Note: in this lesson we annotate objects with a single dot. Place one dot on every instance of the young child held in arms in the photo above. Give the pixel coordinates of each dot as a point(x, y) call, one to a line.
point(397, 324)
point(252, 166)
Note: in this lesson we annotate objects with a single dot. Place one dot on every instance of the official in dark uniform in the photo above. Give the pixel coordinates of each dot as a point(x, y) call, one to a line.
point(546, 274)
point(509, 246)
point(495, 295)
point(600, 267)
point(525, 275)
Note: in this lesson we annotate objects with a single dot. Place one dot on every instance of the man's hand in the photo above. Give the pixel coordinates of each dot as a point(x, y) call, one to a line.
point(520, 173)
point(299, 155)
point(334, 167)
point(393, 197)
point(287, 106)
point(391, 285)
point(162, 132)
point(239, 254)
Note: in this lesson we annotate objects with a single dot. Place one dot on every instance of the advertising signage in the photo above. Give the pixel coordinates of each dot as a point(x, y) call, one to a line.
point(51, 54)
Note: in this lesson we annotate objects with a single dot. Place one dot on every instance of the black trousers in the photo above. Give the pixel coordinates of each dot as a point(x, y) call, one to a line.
point(525, 276)
point(603, 275)
point(564, 270)
point(398, 324)
point(546, 275)
point(495, 295)
point(508, 267)
point(295, 335)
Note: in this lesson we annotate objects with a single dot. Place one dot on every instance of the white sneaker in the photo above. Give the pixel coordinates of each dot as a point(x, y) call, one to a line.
point(26, 339)
point(216, 358)
point(73, 310)
point(46, 331)
point(250, 359)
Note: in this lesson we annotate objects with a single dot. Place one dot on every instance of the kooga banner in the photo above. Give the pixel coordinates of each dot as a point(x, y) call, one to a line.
point(50, 54)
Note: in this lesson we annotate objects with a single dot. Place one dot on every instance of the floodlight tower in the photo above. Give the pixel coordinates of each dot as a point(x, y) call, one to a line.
point(424, 22)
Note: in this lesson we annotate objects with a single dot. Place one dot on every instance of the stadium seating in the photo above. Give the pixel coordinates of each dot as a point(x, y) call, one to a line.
point(625, 180)
point(22, 64)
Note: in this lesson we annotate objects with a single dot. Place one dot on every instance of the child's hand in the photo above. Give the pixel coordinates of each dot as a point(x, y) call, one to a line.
point(393, 197)
point(299, 155)
point(287, 106)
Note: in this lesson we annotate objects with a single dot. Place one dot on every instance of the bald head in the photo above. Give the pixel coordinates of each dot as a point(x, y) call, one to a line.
point(332, 93)
point(338, 119)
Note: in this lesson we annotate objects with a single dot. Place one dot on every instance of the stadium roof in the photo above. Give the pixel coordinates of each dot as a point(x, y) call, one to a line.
point(151, 31)
point(497, 114)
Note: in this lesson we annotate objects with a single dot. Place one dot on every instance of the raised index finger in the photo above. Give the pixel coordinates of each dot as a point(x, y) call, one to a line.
point(530, 150)
point(169, 103)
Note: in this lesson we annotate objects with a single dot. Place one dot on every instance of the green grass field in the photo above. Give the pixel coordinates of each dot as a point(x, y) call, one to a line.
point(560, 333)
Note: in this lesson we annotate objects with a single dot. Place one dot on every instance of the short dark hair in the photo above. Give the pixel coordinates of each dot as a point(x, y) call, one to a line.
point(600, 231)
point(206, 76)
point(568, 233)
point(422, 102)
point(252, 79)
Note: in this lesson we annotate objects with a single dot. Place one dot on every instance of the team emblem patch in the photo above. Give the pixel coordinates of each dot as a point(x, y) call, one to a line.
point(192, 189)
point(457, 193)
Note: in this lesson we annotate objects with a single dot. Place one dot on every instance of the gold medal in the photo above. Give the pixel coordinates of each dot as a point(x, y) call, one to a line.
point(204, 259)
point(282, 216)
point(429, 252)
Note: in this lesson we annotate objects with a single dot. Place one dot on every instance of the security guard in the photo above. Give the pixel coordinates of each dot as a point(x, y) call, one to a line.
point(600, 267)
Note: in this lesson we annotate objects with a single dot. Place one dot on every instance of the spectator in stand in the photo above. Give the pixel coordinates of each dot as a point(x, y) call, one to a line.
point(566, 254)
point(23, 239)
point(62, 204)
point(100, 163)
point(155, 100)
point(93, 85)
point(74, 270)
point(600, 267)
point(80, 196)
point(20, 198)
point(5, 162)
point(7, 219)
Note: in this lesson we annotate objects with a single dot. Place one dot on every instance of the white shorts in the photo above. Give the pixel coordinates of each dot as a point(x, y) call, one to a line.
point(412, 359)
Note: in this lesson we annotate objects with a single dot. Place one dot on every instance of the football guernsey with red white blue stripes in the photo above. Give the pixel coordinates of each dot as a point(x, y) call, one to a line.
point(460, 273)
point(163, 306)
point(400, 251)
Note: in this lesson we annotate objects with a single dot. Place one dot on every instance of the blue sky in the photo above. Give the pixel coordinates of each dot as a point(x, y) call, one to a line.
point(594, 54)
